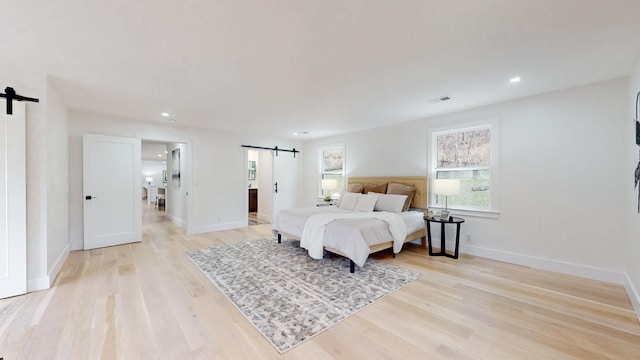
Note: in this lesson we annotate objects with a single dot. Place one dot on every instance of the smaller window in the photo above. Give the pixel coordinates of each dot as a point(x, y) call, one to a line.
point(332, 167)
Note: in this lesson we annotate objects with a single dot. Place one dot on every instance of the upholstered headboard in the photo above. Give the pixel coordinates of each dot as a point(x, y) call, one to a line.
point(419, 182)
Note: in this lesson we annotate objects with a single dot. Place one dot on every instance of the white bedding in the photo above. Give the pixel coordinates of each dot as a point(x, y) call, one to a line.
point(351, 236)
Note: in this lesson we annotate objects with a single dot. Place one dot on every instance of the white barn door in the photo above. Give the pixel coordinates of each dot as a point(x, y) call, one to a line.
point(13, 202)
point(285, 175)
point(112, 190)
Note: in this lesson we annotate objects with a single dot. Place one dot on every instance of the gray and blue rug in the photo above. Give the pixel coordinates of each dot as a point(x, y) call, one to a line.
point(290, 297)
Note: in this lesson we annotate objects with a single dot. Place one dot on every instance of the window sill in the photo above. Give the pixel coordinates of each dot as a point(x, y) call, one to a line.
point(486, 214)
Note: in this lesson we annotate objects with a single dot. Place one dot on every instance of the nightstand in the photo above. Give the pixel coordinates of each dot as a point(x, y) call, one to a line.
point(452, 220)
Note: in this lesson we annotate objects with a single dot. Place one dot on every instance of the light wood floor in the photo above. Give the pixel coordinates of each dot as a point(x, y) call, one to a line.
point(148, 301)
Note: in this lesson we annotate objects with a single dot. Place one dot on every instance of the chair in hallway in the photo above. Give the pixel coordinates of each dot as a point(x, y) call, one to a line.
point(160, 198)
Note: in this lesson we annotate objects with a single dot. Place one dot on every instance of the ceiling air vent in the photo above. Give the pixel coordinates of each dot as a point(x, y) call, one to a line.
point(439, 100)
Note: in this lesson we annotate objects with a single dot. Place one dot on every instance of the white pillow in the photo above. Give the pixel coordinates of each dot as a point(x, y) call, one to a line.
point(348, 201)
point(390, 202)
point(366, 203)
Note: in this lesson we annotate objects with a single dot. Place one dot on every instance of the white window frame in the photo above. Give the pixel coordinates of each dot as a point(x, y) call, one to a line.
point(493, 126)
point(321, 151)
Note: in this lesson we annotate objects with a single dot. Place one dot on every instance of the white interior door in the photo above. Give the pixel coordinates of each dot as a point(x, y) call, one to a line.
point(13, 202)
point(112, 189)
point(285, 184)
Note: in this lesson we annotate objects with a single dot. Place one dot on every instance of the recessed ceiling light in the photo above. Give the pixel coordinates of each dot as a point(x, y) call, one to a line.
point(166, 114)
point(515, 79)
point(164, 162)
point(159, 155)
point(300, 133)
point(166, 152)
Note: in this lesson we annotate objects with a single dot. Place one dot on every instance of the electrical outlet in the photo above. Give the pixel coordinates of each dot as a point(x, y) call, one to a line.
point(468, 238)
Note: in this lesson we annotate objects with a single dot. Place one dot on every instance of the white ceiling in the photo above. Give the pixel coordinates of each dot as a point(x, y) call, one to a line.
point(151, 150)
point(325, 67)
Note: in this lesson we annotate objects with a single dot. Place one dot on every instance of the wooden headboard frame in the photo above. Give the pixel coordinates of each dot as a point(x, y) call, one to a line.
point(419, 182)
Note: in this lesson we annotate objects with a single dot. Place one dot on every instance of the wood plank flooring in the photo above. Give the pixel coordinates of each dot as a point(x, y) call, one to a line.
point(148, 301)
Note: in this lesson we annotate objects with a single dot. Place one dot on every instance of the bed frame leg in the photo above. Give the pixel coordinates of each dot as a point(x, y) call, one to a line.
point(352, 266)
point(394, 255)
point(279, 238)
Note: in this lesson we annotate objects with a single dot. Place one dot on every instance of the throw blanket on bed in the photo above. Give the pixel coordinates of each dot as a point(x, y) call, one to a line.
point(312, 238)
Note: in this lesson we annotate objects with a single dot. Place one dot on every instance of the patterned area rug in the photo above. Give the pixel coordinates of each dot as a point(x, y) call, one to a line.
point(290, 297)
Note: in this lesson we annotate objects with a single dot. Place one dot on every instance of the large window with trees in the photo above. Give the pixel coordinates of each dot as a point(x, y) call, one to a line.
point(465, 154)
point(332, 167)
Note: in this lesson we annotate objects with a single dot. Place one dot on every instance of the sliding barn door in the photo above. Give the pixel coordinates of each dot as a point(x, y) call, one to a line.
point(285, 175)
point(13, 201)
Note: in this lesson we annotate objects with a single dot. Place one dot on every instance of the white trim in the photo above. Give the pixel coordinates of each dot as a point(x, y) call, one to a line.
point(633, 294)
point(37, 284)
point(615, 277)
point(177, 221)
point(45, 282)
point(486, 214)
point(344, 166)
point(57, 266)
point(218, 227)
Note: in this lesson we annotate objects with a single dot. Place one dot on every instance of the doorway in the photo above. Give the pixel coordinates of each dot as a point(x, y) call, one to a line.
point(166, 179)
point(154, 173)
point(274, 179)
point(259, 176)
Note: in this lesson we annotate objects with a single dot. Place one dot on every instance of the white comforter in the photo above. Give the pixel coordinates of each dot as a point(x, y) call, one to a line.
point(312, 238)
point(351, 236)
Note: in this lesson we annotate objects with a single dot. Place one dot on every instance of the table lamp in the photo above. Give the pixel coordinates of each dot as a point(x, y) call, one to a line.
point(446, 187)
point(329, 185)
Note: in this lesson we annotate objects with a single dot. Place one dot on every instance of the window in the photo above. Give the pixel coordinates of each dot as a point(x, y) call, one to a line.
point(465, 154)
point(332, 167)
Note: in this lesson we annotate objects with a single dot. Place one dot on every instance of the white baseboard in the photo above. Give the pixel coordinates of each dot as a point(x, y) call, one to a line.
point(615, 277)
point(45, 282)
point(634, 296)
point(57, 266)
point(37, 284)
point(217, 227)
point(175, 220)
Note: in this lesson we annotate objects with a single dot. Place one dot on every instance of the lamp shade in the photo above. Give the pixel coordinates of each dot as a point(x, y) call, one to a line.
point(149, 179)
point(329, 184)
point(446, 186)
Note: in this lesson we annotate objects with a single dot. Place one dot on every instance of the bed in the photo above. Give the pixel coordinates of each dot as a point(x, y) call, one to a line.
point(365, 234)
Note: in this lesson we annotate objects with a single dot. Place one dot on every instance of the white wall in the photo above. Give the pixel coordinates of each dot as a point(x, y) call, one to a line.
point(153, 169)
point(632, 248)
point(559, 169)
point(218, 188)
point(252, 155)
point(36, 127)
point(57, 180)
point(177, 191)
